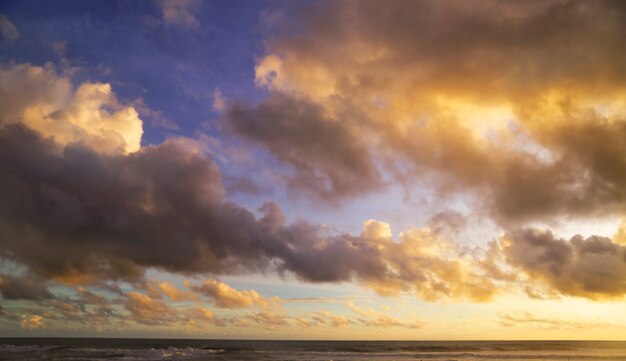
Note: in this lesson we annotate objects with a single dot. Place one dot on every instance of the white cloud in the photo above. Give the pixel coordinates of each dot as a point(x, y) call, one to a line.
point(46, 102)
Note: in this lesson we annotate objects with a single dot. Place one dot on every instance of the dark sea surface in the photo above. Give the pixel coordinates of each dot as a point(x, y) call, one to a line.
point(164, 349)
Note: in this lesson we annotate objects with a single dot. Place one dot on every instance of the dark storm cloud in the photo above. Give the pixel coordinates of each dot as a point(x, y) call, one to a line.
point(327, 158)
point(71, 211)
point(78, 216)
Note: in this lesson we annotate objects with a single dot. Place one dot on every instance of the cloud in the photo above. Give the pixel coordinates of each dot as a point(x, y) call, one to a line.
point(157, 117)
point(23, 287)
point(175, 294)
point(225, 296)
point(44, 101)
point(593, 267)
point(448, 221)
point(219, 103)
point(326, 318)
point(82, 306)
point(147, 310)
point(269, 319)
point(78, 216)
point(8, 31)
point(527, 319)
point(517, 104)
point(32, 322)
point(326, 157)
point(118, 206)
point(419, 261)
point(373, 318)
point(180, 13)
point(80, 207)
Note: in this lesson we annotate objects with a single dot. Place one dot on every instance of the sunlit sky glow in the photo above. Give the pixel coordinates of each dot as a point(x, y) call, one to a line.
point(313, 170)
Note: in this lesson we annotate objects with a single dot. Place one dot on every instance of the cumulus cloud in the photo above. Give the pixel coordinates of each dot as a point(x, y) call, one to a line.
point(519, 104)
point(593, 267)
point(419, 262)
point(44, 101)
point(77, 216)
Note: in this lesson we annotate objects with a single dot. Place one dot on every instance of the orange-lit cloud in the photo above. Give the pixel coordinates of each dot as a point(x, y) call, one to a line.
point(225, 296)
point(32, 322)
point(46, 102)
point(494, 99)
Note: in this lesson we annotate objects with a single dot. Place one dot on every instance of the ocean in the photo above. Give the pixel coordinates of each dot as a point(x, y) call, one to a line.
point(84, 349)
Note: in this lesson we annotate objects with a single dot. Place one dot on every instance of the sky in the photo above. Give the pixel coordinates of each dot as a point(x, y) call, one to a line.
point(397, 170)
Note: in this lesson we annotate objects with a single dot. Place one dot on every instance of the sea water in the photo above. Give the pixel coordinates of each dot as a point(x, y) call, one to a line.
point(20, 349)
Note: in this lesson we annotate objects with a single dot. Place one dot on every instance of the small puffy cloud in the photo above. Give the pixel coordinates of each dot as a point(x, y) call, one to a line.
point(225, 296)
point(32, 322)
point(147, 310)
point(269, 319)
point(196, 316)
point(219, 103)
point(176, 294)
point(376, 230)
point(8, 31)
point(180, 13)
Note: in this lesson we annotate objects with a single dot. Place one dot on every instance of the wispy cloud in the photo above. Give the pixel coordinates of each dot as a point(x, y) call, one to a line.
point(8, 30)
point(180, 13)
